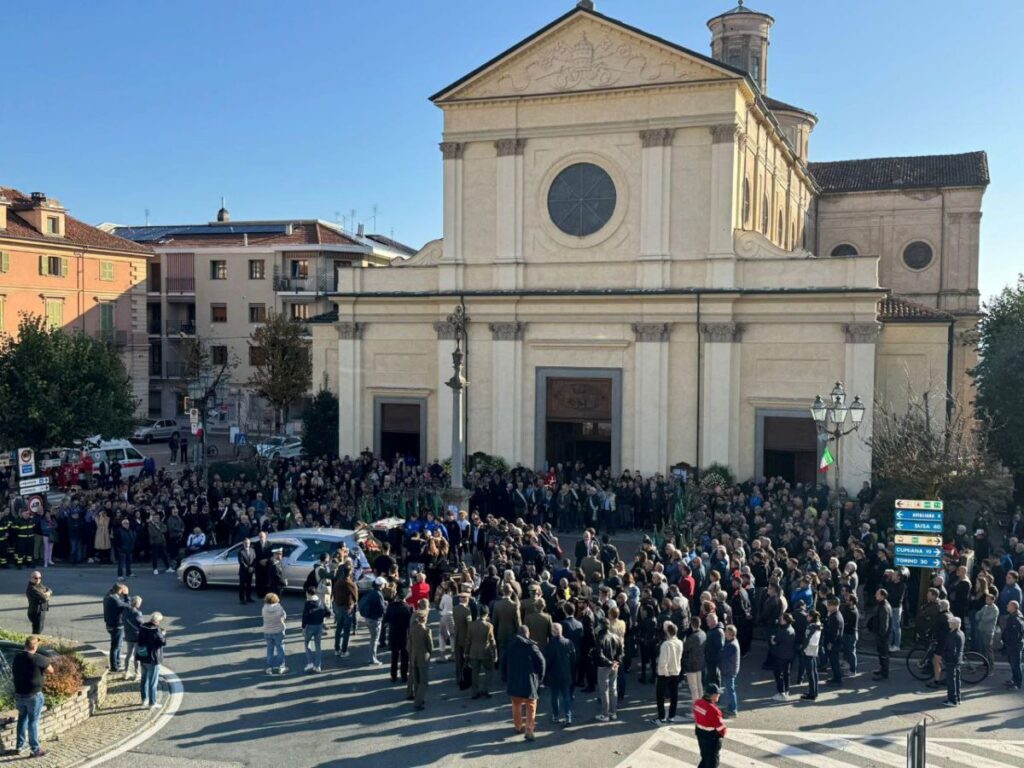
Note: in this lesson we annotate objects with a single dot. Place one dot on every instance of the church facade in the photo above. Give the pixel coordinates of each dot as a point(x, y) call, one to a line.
point(652, 270)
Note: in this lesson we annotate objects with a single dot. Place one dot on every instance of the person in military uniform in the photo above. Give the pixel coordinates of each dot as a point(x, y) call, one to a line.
point(482, 652)
point(23, 529)
point(506, 617)
point(462, 616)
point(420, 646)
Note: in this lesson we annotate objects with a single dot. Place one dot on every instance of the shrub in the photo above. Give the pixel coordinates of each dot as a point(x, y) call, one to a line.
point(63, 680)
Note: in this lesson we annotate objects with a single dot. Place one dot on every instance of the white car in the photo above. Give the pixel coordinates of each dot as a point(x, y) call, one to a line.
point(159, 429)
point(280, 447)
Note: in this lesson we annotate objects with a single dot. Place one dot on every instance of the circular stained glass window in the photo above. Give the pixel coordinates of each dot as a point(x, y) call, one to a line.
point(917, 255)
point(581, 199)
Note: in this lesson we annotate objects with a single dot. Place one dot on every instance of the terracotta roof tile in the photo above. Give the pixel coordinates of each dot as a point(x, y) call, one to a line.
point(969, 169)
point(76, 232)
point(897, 309)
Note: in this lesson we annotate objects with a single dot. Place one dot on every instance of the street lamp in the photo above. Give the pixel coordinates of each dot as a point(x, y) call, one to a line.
point(831, 417)
point(458, 384)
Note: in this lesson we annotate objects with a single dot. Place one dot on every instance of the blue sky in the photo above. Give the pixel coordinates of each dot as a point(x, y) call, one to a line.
point(313, 108)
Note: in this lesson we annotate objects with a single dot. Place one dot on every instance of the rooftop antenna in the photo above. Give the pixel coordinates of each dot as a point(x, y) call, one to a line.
point(147, 217)
point(337, 219)
point(352, 220)
point(373, 217)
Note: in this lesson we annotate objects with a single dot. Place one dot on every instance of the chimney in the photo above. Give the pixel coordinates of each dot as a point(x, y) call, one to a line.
point(4, 202)
point(359, 231)
point(222, 214)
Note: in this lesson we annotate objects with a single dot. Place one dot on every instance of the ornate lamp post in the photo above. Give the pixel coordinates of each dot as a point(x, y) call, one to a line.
point(458, 383)
point(831, 416)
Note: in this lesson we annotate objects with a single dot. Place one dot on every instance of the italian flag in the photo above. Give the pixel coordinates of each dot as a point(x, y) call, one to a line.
point(827, 460)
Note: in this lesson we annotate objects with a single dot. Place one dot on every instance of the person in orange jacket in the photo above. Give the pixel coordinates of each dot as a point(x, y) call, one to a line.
point(710, 726)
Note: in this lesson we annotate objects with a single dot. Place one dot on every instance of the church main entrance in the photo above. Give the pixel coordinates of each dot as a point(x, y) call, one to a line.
point(400, 429)
point(790, 447)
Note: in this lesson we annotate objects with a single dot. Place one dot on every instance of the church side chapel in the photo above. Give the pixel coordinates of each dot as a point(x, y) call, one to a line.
point(649, 269)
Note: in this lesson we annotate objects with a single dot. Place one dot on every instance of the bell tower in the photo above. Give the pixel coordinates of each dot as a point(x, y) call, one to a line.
point(739, 38)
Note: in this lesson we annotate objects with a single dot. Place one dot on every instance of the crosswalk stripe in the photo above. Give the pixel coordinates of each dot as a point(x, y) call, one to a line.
point(728, 758)
point(785, 750)
point(1012, 748)
point(975, 761)
point(860, 750)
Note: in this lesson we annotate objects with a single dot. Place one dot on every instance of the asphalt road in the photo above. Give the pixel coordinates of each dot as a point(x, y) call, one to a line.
point(233, 714)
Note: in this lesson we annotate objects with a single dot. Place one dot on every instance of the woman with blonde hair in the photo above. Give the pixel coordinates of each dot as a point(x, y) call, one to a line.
point(274, 628)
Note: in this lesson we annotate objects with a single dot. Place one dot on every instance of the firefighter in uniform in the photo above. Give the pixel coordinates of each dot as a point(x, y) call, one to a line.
point(710, 727)
point(23, 529)
point(5, 538)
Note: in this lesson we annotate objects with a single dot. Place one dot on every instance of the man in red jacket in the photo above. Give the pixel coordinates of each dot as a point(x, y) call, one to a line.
point(710, 727)
point(419, 590)
point(687, 584)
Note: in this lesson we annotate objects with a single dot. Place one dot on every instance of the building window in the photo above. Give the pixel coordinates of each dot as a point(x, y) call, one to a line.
point(257, 313)
point(257, 355)
point(843, 250)
point(300, 312)
point(107, 316)
point(257, 269)
point(53, 225)
point(54, 313)
point(581, 199)
point(219, 355)
point(106, 270)
point(218, 313)
point(746, 203)
point(300, 268)
point(755, 68)
point(54, 266)
point(917, 255)
point(218, 270)
point(5, 261)
point(764, 216)
point(780, 230)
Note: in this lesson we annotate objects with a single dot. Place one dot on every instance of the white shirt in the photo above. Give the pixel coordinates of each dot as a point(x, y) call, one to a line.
point(670, 658)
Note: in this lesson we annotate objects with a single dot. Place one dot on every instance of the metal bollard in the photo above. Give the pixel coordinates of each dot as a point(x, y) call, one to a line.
point(917, 746)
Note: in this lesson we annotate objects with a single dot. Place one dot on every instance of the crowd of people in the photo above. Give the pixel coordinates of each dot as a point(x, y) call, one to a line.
point(721, 565)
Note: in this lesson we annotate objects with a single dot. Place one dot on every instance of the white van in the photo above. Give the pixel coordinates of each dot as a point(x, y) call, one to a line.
point(122, 450)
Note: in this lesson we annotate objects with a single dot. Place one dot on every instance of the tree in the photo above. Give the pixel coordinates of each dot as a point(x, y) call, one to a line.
point(917, 456)
point(57, 387)
point(320, 425)
point(997, 377)
point(282, 368)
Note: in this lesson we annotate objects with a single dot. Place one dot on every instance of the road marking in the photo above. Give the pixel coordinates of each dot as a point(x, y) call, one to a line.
point(975, 761)
point(727, 758)
point(176, 692)
point(873, 753)
point(785, 750)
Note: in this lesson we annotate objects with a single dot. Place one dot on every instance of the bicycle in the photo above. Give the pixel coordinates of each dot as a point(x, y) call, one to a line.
point(974, 669)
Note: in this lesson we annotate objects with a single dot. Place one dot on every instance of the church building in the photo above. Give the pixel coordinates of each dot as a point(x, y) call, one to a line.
point(652, 270)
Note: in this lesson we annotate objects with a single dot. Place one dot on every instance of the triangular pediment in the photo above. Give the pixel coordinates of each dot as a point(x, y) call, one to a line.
point(584, 51)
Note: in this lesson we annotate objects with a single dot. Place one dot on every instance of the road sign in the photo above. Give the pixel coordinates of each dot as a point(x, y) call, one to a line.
point(925, 541)
point(919, 562)
point(26, 462)
point(35, 504)
point(928, 517)
point(34, 485)
point(918, 504)
point(912, 551)
point(914, 525)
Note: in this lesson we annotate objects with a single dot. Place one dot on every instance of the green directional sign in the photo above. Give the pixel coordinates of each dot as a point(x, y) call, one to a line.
point(919, 504)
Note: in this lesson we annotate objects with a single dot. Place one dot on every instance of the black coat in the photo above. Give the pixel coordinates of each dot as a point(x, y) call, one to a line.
point(560, 661)
point(713, 646)
point(246, 561)
point(784, 643)
point(276, 582)
point(881, 623)
point(522, 667)
point(398, 615)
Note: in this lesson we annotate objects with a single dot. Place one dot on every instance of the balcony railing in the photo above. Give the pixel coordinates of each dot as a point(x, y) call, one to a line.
point(153, 327)
point(187, 328)
point(118, 339)
point(317, 283)
point(175, 370)
point(180, 284)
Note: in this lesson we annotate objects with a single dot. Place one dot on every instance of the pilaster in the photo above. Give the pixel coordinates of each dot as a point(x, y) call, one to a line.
point(721, 398)
point(859, 381)
point(450, 272)
point(724, 180)
point(350, 388)
point(651, 389)
point(509, 194)
point(655, 201)
point(507, 390)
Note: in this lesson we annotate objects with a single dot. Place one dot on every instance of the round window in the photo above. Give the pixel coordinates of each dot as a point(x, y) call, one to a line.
point(844, 249)
point(917, 255)
point(581, 199)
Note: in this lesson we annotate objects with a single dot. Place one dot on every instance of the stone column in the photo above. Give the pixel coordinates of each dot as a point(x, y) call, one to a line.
point(650, 387)
point(509, 212)
point(855, 453)
point(721, 252)
point(350, 388)
point(450, 274)
point(507, 390)
point(446, 333)
point(720, 384)
point(655, 200)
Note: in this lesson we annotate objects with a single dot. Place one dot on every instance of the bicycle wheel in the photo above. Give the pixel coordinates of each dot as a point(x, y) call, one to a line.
point(974, 669)
point(918, 663)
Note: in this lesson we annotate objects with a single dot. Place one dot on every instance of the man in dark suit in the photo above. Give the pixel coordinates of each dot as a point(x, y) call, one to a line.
point(246, 568)
point(881, 625)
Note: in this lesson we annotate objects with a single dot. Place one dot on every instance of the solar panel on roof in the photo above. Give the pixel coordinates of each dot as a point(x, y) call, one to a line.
point(152, 234)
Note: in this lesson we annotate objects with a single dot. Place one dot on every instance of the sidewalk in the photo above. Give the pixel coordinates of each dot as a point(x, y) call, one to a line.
point(121, 717)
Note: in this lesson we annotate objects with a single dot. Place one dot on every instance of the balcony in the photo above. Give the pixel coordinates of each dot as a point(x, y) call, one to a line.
point(187, 328)
point(153, 327)
point(180, 284)
point(113, 337)
point(176, 370)
point(317, 283)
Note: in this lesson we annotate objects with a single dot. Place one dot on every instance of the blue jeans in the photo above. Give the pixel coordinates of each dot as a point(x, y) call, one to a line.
point(373, 625)
point(124, 563)
point(148, 684)
point(812, 676)
point(29, 709)
point(896, 635)
point(343, 625)
point(116, 636)
point(275, 650)
point(730, 703)
point(77, 551)
point(313, 634)
point(850, 651)
point(561, 702)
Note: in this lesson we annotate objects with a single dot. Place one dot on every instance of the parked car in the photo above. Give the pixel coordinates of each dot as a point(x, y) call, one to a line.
point(159, 429)
point(301, 547)
point(280, 447)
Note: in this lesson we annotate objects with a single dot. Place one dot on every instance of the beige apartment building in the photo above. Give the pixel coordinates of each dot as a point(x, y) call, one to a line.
point(653, 269)
point(217, 281)
point(74, 275)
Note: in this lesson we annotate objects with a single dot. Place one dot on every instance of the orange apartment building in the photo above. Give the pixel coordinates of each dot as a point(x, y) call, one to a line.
point(76, 276)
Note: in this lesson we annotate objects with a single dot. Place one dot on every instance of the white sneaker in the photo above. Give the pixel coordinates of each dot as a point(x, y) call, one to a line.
point(154, 706)
point(270, 670)
point(779, 697)
point(169, 570)
point(156, 572)
point(601, 718)
point(344, 654)
point(316, 669)
point(308, 668)
point(282, 670)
